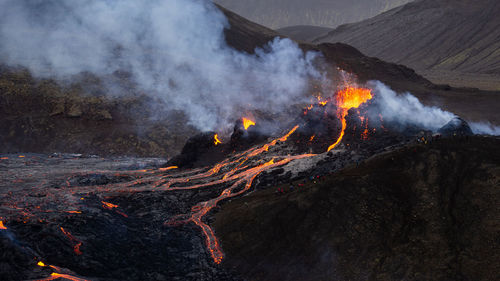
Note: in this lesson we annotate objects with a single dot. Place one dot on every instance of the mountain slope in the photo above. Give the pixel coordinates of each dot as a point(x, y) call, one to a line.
point(438, 38)
point(282, 13)
point(424, 212)
point(305, 33)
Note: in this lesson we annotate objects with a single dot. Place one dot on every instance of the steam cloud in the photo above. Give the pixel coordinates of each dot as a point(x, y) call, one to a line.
point(174, 49)
point(406, 109)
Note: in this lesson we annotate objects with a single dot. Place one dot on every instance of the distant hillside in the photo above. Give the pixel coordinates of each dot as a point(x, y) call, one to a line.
point(453, 41)
point(282, 13)
point(305, 33)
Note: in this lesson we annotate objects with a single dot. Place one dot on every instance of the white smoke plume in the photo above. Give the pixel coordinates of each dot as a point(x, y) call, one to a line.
point(174, 49)
point(406, 109)
point(484, 128)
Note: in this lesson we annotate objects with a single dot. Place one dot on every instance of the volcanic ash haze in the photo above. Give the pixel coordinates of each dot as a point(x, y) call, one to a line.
point(174, 50)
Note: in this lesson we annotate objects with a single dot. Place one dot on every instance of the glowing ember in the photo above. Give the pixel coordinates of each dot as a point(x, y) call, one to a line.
point(77, 245)
point(168, 168)
point(40, 263)
point(346, 99)
point(55, 276)
point(108, 205)
point(216, 139)
point(2, 226)
point(247, 123)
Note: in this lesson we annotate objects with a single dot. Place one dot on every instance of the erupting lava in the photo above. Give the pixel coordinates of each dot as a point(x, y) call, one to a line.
point(346, 99)
point(216, 140)
point(247, 123)
point(232, 177)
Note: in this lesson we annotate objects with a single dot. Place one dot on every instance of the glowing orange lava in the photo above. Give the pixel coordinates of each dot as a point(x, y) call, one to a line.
point(2, 226)
point(247, 123)
point(55, 276)
point(108, 205)
point(168, 168)
point(78, 244)
point(350, 97)
point(216, 139)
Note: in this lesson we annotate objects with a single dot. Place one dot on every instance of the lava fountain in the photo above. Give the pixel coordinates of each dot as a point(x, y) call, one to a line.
point(350, 97)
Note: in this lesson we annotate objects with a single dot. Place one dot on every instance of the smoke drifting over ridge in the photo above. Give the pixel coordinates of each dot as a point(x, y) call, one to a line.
point(174, 49)
point(406, 109)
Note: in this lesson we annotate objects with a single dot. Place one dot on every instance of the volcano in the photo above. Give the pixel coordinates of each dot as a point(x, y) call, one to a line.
point(86, 224)
point(350, 181)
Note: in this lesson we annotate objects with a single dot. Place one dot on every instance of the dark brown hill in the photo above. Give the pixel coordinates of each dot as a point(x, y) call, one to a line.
point(452, 41)
point(424, 212)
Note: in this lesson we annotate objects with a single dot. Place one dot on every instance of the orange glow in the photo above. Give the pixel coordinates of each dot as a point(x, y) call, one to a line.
point(108, 205)
point(312, 138)
point(168, 168)
point(346, 99)
point(242, 178)
point(74, 212)
point(2, 226)
point(4, 158)
point(76, 247)
point(216, 139)
point(21, 156)
point(40, 263)
point(55, 276)
point(321, 102)
point(247, 123)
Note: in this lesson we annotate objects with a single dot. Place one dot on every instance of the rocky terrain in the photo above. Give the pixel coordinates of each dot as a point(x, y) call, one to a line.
point(448, 41)
point(421, 212)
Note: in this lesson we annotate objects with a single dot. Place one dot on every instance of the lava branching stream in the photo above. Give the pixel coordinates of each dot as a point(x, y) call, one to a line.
point(231, 177)
point(236, 175)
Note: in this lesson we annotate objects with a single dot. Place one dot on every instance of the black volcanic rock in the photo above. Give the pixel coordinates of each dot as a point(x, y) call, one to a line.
point(456, 127)
point(195, 146)
point(422, 212)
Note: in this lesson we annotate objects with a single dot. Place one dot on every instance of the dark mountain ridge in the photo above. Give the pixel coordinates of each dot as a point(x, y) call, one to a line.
point(446, 40)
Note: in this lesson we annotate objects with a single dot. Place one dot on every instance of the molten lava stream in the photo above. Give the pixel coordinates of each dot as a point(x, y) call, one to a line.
point(350, 97)
point(55, 276)
point(246, 177)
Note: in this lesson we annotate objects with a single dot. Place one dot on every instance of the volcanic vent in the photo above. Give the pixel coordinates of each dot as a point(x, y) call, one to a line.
point(95, 222)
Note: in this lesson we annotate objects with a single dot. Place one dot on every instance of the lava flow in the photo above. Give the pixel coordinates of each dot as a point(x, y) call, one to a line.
point(216, 140)
point(78, 244)
point(247, 123)
point(350, 97)
point(2, 226)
